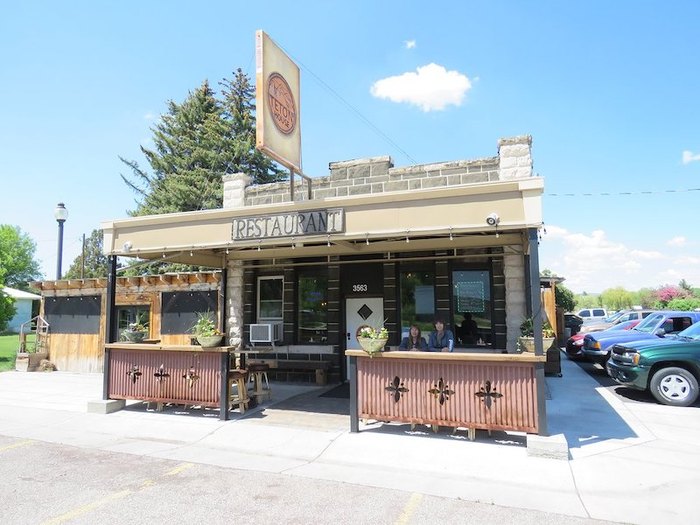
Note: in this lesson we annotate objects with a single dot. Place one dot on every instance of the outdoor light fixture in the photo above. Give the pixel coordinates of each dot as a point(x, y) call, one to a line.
point(61, 214)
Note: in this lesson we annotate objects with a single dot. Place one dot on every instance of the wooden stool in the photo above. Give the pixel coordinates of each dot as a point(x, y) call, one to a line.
point(258, 374)
point(237, 378)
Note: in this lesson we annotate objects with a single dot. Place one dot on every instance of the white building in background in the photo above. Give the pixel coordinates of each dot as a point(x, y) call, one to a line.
point(24, 301)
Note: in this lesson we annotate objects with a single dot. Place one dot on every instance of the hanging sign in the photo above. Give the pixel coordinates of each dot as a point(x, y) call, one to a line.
point(277, 79)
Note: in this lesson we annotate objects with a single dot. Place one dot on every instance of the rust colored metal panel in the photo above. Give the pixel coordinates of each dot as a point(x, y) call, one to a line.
point(192, 378)
point(481, 395)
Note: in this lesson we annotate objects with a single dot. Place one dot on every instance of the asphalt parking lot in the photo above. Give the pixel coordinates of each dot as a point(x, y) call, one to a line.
point(624, 394)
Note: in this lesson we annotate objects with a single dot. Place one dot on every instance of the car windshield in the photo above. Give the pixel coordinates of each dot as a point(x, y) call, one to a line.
point(614, 317)
point(649, 324)
point(621, 326)
point(692, 332)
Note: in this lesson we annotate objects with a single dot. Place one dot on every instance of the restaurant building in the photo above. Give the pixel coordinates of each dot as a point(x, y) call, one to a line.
point(409, 243)
point(300, 270)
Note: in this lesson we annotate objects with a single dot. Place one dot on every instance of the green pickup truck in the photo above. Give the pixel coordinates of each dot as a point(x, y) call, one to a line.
point(669, 368)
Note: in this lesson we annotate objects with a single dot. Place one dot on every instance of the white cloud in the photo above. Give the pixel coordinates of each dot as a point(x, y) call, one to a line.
point(410, 44)
point(430, 87)
point(677, 241)
point(689, 156)
point(149, 116)
point(592, 262)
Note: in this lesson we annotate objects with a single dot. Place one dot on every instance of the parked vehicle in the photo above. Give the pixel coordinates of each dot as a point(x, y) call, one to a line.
point(598, 344)
point(574, 345)
point(669, 368)
point(589, 314)
point(618, 317)
point(573, 322)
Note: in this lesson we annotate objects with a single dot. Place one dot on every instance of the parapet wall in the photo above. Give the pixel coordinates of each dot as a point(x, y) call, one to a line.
point(378, 175)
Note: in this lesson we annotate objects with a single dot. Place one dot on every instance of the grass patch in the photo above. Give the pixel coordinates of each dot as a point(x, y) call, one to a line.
point(9, 344)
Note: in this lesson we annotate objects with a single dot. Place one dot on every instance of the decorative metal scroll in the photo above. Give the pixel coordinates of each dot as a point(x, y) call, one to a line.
point(488, 394)
point(441, 391)
point(396, 388)
point(134, 373)
point(191, 376)
point(161, 373)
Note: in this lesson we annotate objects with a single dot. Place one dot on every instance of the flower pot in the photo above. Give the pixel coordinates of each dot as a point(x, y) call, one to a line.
point(527, 344)
point(209, 341)
point(372, 346)
point(132, 336)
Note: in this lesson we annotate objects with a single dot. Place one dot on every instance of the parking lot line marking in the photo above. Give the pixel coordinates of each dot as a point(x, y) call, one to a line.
point(84, 509)
point(410, 508)
point(178, 469)
point(17, 445)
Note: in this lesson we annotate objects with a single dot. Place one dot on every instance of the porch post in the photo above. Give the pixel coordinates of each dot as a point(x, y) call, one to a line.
point(352, 376)
point(536, 312)
point(110, 321)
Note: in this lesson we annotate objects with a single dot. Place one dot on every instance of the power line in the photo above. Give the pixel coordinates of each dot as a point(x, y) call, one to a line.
point(621, 193)
point(352, 108)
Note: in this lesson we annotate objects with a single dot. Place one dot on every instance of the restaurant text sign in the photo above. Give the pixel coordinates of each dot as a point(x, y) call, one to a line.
point(297, 224)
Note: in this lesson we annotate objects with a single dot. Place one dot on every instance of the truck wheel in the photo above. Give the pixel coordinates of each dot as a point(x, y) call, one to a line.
point(674, 386)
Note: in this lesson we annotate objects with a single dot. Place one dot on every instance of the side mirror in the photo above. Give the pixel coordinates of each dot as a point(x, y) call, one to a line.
point(660, 332)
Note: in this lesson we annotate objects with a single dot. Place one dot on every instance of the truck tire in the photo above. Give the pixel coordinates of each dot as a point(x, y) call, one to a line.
point(674, 386)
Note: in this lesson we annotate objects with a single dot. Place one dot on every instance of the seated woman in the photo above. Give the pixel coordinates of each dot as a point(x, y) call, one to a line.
point(414, 341)
point(442, 339)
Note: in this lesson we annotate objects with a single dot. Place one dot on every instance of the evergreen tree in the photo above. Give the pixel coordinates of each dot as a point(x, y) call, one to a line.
point(239, 113)
point(196, 143)
point(186, 162)
point(95, 260)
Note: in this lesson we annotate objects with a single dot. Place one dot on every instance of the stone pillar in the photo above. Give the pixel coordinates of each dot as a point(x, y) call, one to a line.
point(515, 157)
point(516, 306)
point(234, 189)
point(234, 300)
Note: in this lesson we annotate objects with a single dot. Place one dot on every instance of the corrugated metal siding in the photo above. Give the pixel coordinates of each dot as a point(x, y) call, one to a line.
point(498, 396)
point(166, 377)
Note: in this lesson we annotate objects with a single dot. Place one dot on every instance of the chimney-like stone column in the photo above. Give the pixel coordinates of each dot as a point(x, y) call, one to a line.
point(234, 197)
point(515, 157)
point(234, 189)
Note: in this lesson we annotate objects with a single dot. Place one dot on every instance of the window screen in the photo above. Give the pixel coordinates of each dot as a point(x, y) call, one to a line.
point(180, 310)
point(73, 315)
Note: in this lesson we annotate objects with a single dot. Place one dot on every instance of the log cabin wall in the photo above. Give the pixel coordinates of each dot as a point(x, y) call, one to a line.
point(75, 310)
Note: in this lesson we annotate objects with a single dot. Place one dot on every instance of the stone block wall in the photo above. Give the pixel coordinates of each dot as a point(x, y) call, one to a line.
point(378, 175)
point(516, 300)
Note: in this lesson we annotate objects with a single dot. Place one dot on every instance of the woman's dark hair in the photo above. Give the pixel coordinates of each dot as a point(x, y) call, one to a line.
point(438, 320)
point(410, 337)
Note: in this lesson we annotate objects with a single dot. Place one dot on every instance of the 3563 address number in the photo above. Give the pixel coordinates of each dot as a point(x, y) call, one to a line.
point(359, 288)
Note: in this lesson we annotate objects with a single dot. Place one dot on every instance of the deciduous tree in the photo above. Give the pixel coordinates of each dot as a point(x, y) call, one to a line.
point(17, 263)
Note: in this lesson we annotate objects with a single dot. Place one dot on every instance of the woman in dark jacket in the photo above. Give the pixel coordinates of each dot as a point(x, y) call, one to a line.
point(414, 341)
point(442, 339)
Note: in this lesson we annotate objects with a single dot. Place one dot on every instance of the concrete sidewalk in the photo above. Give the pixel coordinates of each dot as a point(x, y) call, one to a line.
point(629, 462)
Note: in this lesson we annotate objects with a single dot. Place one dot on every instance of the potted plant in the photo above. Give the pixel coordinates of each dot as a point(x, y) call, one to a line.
point(135, 332)
point(526, 342)
point(372, 340)
point(205, 330)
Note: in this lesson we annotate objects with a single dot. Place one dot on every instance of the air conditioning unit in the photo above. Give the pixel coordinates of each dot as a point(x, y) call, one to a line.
point(266, 332)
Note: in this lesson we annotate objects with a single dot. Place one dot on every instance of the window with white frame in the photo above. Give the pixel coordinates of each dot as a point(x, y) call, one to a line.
point(270, 298)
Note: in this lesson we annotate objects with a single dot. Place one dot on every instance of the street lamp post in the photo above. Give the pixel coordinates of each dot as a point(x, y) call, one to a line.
point(61, 214)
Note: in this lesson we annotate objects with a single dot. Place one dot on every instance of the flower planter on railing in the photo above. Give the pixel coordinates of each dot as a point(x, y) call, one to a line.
point(372, 346)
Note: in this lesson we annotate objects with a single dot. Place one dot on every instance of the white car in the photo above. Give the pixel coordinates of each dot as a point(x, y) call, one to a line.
point(592, 314)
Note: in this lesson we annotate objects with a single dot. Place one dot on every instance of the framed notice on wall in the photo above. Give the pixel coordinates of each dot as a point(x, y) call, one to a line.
point(471, 296)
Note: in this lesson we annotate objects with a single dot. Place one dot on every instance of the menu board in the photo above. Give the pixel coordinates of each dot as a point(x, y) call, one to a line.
point(470, 296)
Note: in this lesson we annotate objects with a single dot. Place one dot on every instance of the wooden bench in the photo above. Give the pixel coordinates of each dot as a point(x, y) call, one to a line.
point(319, 367)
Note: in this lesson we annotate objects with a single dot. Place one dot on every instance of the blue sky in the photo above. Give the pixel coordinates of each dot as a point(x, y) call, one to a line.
point(608, 92)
